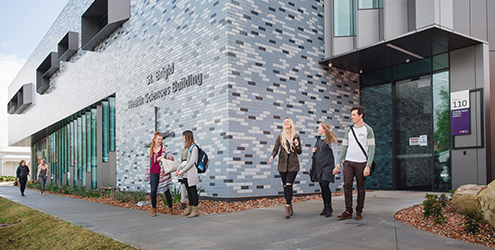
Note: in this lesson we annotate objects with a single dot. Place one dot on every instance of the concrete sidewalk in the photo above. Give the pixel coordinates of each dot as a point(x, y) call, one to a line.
point(264, 228)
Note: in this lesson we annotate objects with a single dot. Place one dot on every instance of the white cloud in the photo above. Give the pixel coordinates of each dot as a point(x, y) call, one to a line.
point(10, 65)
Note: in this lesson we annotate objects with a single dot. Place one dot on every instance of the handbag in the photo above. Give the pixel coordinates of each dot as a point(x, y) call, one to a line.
point(168, 166)
point(373, 164)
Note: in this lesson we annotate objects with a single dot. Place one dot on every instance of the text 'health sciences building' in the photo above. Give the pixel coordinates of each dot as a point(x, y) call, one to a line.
point(109, 73)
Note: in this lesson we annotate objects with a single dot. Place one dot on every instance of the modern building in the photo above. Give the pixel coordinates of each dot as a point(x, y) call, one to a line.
point(109, 73)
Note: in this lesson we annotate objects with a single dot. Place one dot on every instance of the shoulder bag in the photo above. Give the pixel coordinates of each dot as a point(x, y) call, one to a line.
point(373, 165)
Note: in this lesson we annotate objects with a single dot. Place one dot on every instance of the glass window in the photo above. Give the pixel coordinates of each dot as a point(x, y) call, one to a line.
point(111, 102)
point(343, 17)
point(88, 141)
point(104, 106)
point(441, 131)
point(370, 4)
point(83, 149)
point(441, 61)
point(93, 148)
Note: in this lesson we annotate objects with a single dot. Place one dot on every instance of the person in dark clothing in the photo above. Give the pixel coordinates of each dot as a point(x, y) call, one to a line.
point(289, 145)
point(22, 174)
point(323, 164)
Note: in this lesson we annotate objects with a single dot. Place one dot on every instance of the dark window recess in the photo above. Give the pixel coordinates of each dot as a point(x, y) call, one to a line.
point(290, 106)
point(254, 33)
point(283, 80)
point(263, 142)
point(228, 180)
point(259, 64)
point(276, 84)
point(249, 163)
point(21, 100)
point(46, 69)
point(271, 41)
point(259, 98)
point(276, 117)
point(212, 184)
point(254, 12)
point(241, 148)
point(244, 187)
point(252, 83)
point(260, 187)
point(68, 46)
point(266, 132)
point(269, 24)
point(281, 9)
point(101, 19)
point(276, 71)
point(292, 16)
point(237, 158)
point(236, 94)
point(251, 117)
point(244, 109)
point(261, 48)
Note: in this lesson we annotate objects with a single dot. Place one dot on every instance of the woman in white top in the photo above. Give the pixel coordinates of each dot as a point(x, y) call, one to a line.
point(188, 174)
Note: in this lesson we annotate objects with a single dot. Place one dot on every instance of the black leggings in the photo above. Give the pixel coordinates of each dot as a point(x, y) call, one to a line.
point(192, 194)
point(22, 184)
point(287, 181)
point(154, 180)
point(326, 194)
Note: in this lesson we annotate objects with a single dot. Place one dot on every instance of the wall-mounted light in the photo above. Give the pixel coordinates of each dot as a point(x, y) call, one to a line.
point(360, 71)
point(407, 60)
point(330, 64)
point(404, 51)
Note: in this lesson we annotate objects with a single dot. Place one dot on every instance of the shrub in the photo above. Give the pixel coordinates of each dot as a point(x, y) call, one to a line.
point(474, 218)
point(138, 195)
point(123, 197)
point(433, 207)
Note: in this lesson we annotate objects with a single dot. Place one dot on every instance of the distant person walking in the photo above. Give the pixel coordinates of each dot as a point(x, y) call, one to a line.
point(288, 146)
point(188, 173)
point(42, 174)
point(22, 174)
point(324, 163)
point(159, 181)
point(356, 163)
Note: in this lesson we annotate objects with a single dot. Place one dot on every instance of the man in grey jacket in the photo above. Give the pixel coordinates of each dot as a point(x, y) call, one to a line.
point(356, 163)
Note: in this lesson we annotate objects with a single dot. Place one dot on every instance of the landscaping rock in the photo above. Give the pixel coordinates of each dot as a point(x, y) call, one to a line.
point(465, 198)
point(486, 199)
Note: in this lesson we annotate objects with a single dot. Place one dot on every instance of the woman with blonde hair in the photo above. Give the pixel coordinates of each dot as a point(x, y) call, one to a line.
point(288, 146)
point(159, 180)
point(42, 174)
point(188, 173)
point(323, 164)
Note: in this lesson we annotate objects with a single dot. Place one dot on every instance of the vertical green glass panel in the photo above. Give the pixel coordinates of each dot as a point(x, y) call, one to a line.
point(79, 148)
point(93, 148)
point(441, 131)
point(111, 102)
point(88, 141)
point(343, 17)
point(83, 149)
point(441, 62)
point(104, 105)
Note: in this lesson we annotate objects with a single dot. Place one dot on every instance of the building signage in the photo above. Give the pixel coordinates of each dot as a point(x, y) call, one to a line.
point(460, 113)
point(162, 73)
point(174, 87)
point(423, 140)
point(414, 141)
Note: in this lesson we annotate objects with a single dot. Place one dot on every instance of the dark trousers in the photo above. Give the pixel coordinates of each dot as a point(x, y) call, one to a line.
point(351, 170)
point(154, 179)
point(288, 179)
point(192, 194)
point(326, 194)
point(22, 184)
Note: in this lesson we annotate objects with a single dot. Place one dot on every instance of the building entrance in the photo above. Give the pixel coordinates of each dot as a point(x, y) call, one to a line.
point(410, 119)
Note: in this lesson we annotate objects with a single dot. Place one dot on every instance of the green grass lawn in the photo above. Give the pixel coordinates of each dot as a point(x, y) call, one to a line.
point(33, 229)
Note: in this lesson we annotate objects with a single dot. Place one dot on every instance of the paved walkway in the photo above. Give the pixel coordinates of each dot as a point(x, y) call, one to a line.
point(263, 228)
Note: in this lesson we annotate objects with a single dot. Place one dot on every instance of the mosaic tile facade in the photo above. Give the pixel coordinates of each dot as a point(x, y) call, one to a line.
point(228, 70)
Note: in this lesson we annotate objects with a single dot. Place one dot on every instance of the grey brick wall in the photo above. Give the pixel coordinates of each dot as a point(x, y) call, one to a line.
point(259, 64)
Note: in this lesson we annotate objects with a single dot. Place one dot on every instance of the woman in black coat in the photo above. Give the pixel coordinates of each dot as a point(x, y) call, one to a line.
point(22, 174)
point(323, 164)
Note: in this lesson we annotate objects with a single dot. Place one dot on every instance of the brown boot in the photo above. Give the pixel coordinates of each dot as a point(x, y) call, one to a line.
point(153, 212)
point(194, 213)
point(291, 210)
point(287, 211)
point(345, 215)
point(187, 211)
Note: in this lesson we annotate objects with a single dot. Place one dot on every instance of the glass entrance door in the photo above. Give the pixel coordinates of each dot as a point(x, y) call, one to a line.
point(414, 138)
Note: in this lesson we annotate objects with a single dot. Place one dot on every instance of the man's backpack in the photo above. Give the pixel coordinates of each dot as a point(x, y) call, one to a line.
point(203, 161)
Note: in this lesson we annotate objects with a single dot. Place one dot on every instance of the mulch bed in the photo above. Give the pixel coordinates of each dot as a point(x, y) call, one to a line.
point(453, 227)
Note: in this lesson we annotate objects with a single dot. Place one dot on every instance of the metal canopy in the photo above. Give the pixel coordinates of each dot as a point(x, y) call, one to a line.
point(410, 47)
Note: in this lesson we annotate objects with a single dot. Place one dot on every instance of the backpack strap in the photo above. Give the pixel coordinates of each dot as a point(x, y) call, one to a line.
point(361, 146)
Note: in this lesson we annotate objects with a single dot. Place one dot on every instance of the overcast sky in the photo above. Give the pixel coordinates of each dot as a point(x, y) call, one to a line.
point(23, 23)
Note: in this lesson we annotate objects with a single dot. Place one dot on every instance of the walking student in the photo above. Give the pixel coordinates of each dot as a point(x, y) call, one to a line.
point(22, 174)
point(287, 146)
point(42, 174)
point(356, 163)
point(188, 173)
point(159, 181)
point(324, 163)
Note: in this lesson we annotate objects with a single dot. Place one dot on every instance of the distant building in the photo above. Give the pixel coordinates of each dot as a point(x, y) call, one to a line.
point(10, 158)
